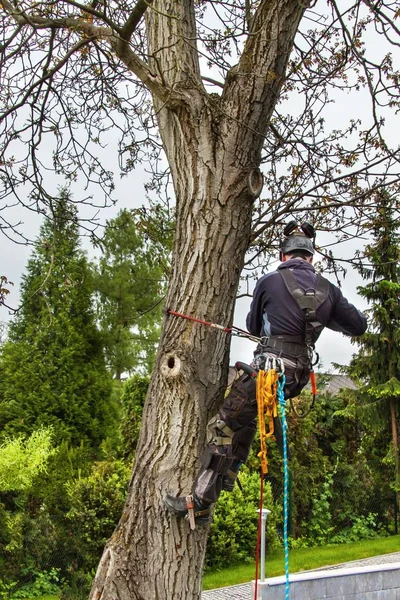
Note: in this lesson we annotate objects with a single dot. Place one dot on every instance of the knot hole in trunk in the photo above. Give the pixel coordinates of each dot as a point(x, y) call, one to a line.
point(170, 365)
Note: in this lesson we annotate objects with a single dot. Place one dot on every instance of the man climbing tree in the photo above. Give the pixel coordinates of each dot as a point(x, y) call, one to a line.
point(290, 308)
point(89, 69)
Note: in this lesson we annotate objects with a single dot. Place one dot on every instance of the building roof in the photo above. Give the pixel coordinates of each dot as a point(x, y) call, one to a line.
point(335, 383)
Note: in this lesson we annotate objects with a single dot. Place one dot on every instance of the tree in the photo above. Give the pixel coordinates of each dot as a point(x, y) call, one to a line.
point(377, 363)
point(89, 69)
point(130, 280)
point(52, 366)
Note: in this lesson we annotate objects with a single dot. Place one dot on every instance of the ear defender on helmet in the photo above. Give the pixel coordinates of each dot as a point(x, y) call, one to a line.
point(290, 227)
point(308, 230)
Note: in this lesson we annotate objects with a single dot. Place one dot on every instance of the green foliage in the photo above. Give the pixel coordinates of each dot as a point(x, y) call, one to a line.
point(318, 529)
point(6, 589)
point(233, 534)
point(130, 280)
point(378, 360)
point(78, 587)
point(54, 377)
point(96, 505)
point(24, 462)
point(23, 459)
point(333, 481)
point(48, 490)
point(132, 401)
point(309, 462)
point(43, 582)
point(363, 528)
point(52, 366)
point(377, 364)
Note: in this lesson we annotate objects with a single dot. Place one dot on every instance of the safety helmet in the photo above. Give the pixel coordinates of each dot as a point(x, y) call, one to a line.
point(297, 242)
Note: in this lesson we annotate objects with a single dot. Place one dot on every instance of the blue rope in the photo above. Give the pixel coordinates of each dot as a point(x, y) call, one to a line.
point(281, 400)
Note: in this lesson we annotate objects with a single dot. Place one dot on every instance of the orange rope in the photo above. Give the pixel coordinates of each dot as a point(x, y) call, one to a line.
point(267, 410)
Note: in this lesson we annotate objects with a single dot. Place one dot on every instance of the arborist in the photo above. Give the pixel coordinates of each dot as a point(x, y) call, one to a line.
point(290, 308)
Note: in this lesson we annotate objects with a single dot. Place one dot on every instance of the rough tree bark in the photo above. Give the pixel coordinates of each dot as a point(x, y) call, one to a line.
point(213, 143)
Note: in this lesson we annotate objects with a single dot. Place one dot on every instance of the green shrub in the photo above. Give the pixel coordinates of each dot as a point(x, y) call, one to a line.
point(23, 458)
point(363, 528)
point(233, 535)
point(133, 396)
point(23, 463)
point(319, 527)
point(96, 505)
point(78, 587)
point(6, 588)
point(43, 582)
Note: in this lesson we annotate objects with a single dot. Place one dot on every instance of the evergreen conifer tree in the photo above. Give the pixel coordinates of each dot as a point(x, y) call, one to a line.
point(377, 364)
point(52, 367)
point(130, 280)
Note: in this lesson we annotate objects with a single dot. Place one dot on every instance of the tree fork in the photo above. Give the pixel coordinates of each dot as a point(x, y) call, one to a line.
point(214, 150)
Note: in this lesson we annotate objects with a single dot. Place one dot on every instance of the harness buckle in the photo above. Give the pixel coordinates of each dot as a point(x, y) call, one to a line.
point(190, 513)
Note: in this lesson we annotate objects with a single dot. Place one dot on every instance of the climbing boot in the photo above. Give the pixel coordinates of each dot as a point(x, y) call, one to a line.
point(231, 476)
point(189, 507)
point(228, 481)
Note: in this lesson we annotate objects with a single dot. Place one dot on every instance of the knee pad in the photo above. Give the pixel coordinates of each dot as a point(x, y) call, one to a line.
point(218, 432)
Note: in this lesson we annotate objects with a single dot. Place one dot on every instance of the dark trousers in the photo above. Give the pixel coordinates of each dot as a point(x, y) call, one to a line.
point(232, 431)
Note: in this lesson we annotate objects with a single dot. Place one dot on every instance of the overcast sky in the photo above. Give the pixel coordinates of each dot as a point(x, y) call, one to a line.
point(332, 346)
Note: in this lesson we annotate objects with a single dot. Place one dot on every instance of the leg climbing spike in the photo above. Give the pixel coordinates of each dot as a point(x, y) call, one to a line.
point(189, 507)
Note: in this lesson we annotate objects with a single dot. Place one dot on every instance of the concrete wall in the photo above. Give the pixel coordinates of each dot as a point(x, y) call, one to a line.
point(376, 582)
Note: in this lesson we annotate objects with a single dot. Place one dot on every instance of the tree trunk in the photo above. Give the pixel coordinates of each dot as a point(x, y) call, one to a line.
point(212, 144)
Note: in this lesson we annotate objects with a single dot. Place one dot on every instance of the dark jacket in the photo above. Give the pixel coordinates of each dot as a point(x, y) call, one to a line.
point(273, 311)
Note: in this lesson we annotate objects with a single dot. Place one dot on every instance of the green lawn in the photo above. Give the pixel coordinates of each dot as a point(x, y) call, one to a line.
point(304, 559)
point(299, 560)
point(45, 598)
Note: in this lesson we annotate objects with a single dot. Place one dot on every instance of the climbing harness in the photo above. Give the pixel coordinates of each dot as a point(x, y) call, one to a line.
point(270, 393)
point(308, 301)
point(263, 341)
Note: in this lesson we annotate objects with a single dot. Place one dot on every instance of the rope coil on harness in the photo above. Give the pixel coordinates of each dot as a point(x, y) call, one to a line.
point(267, 408)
